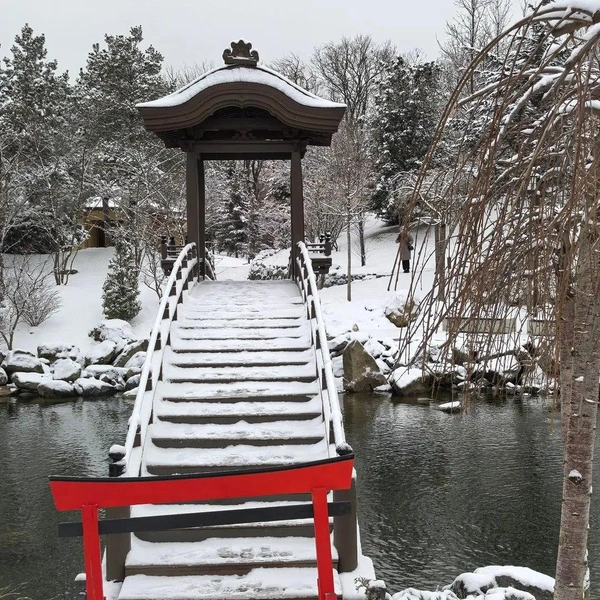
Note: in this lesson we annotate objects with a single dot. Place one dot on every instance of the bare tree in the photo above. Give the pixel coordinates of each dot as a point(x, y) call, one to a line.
point(28, 295)
point(297, 71)
point(350, 70)
point(531, 214)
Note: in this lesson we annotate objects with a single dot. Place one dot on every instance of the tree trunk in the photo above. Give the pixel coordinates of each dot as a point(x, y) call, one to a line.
point(361, 239)
point(440, 262)
point(349, 271)
point(579, 421)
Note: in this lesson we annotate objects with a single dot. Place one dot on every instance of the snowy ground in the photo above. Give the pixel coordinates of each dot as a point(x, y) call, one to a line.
point(81, 307)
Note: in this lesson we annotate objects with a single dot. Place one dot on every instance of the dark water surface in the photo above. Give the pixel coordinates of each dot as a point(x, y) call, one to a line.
point(442, 494)
point(438, 494)
point(37, 441)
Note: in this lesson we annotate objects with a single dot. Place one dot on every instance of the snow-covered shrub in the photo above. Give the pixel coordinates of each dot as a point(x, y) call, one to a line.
point(120, 297)
point(261, 268)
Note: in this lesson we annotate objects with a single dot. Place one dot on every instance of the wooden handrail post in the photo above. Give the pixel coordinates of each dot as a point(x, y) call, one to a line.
point(91, 552)
point(323, 544)
point(345, 533)
point(117, 546)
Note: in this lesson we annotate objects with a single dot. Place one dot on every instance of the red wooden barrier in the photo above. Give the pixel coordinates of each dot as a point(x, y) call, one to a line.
point(316, 478)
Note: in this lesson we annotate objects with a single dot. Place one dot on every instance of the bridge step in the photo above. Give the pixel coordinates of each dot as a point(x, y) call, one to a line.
point(171, 461)
point(244, 391)
point(259, 584)
point(297, 528)
point(242, 333)
point(232, 556)
point(243, 312)
point(279, 373)
point(257, 358)
point(234, 322)
point(182, 344)
point(172, 435)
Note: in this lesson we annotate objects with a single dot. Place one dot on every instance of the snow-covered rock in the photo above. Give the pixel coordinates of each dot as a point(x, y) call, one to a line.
point(407, 382)
point(449, 407)
point(338, 344)
point(52, 352)
point(66, 369)
point(129, 351)
point(23, 362)
point(102, 353)
point(87, 387)
point(136, 361)
point(110, 371)
point(114, 330)
point(361, 373)
point(401, 310)
point(3, 377)
point(56, 389)
point(512, 583)
point(132, 382)
point(130, 394)
point(29, 381)
point(413, 594)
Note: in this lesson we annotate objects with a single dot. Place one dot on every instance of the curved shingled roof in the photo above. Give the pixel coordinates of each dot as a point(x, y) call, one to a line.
point(242, 86)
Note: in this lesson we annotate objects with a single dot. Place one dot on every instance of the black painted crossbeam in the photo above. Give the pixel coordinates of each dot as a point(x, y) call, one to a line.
point(204, 519)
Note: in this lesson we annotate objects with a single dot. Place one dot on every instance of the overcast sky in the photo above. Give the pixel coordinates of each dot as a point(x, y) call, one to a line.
point(192, 31)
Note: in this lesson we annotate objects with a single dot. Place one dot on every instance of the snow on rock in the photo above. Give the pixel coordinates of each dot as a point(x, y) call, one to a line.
point(102, 353)
point(54, 352)
point(401, 310)
point(66, 369)
point(129, 351)
point(136, 361)
point(115, 330)
point(132, 382)
point(413, 594)
point(361, 373)
point(29, 381)
point(131, 394)
point(56, 389)
point(511, 582)
point(3, 377)
point(449, 407)
point(87, 387)
point(22, 362)
point(407, 382)
point(111, 372)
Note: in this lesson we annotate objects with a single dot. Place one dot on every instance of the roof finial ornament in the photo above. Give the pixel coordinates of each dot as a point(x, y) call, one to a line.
point(240, 54)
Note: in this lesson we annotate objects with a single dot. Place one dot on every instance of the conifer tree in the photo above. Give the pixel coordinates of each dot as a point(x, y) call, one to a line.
point(120, 290)
point(406, 113)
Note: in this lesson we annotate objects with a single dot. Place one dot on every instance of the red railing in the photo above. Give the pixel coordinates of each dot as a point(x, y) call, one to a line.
point(317, 478)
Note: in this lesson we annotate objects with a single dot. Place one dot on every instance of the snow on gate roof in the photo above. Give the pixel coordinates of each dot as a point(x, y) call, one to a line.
point(241, 83)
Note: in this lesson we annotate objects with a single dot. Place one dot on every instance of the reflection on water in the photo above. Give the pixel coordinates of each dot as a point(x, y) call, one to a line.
point(442, 494)
point(37, 441)
point(438, 494)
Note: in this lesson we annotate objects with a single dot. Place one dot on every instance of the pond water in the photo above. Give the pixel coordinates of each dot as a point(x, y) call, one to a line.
point(443, 494)
point(438, 494)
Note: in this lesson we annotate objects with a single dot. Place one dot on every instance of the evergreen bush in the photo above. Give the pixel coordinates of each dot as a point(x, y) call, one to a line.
point(120, 292)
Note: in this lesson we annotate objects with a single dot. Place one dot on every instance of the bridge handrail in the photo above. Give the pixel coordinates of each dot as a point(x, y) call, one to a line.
point(305, 277)
point(137, 423)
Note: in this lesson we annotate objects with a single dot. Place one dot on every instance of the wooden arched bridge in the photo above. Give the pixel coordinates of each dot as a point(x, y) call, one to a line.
point(236, 480)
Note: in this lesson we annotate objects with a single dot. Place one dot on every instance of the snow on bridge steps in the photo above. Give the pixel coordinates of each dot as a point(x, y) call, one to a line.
point(238, 379)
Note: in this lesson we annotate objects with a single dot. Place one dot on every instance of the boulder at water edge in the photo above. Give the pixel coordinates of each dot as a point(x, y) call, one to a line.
point(29, 381)
point(88, 387)
point(524, 583)
point(129, 351)
point(3, 377)
point(361, 373)
point(407, 382)
point(66, 369)
point(101, 354)
point(22, 362)
point(56, 389)
point(401, 310)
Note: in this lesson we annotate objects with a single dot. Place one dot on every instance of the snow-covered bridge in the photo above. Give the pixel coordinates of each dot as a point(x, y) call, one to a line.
point(236, 480)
